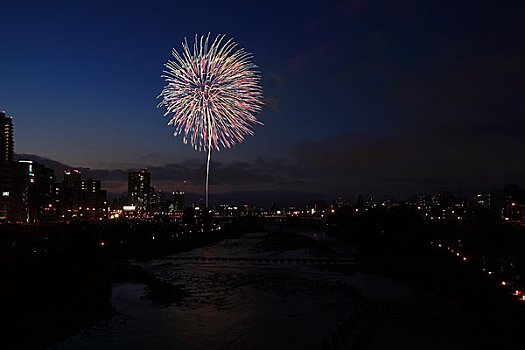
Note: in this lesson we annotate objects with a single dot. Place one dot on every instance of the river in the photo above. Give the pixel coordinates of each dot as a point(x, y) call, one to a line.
point(265, 304)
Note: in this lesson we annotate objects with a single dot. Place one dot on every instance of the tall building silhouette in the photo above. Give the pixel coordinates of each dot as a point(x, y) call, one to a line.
point(178, 196)
point(70, 198)
point(92, 200)
point(139, 189)
point(33, 198)
point(7, 150)
point(81, 200)
point(72, 177)
point(514, 209)
point(8, 144)
point(157, 202)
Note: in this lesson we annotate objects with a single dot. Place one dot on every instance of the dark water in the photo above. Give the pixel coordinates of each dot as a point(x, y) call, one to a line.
point(256, 305)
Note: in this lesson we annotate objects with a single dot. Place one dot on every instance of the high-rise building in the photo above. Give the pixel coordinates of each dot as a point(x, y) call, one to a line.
point(514, 207)
point(139, 189)
point(484, 206)
point(7, 150)
point(441, 206)
point(483, 200)
point(33, 198)
point(93, 203)
point(157, 202)
point(178, 199)
point(81, 200)
point(72, 177)
point(70, 200)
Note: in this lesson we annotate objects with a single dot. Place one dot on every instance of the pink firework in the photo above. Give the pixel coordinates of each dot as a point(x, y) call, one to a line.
point(212, 94)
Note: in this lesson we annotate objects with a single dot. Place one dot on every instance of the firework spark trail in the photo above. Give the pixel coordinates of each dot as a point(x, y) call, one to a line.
point(213, 93)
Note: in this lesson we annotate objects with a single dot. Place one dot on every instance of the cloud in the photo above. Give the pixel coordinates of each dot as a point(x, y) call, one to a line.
point(275, 80)
point(446, 159)
point(273, 104)
point(150, 156)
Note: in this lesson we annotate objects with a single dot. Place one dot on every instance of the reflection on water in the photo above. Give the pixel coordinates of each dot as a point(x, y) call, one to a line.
point(241, 305)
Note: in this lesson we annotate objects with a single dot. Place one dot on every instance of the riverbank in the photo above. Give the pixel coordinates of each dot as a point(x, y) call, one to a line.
point(453, 298)
point(456, 297)
point(57, 279)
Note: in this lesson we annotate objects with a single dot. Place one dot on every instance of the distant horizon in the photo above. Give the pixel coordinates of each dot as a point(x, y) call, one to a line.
point(117, 178)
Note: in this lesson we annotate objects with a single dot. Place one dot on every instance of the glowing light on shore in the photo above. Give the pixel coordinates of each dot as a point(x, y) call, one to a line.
point(212, 93)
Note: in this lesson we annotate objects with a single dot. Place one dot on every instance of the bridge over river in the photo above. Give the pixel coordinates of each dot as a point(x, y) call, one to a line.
point(265, 260)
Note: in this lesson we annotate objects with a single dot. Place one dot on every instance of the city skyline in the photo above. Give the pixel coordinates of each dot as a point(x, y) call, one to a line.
point(361, 96)
point(140, 185)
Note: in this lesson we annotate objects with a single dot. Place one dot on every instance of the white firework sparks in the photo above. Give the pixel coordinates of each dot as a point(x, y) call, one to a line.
point(212, 93)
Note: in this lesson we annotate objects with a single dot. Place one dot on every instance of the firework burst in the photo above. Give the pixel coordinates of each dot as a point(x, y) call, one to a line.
point(212, 93)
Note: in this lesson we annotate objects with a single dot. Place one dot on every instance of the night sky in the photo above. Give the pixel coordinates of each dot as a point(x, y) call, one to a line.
point(387, 98)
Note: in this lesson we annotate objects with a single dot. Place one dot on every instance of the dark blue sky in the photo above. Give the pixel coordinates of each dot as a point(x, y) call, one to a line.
point(381, 97)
